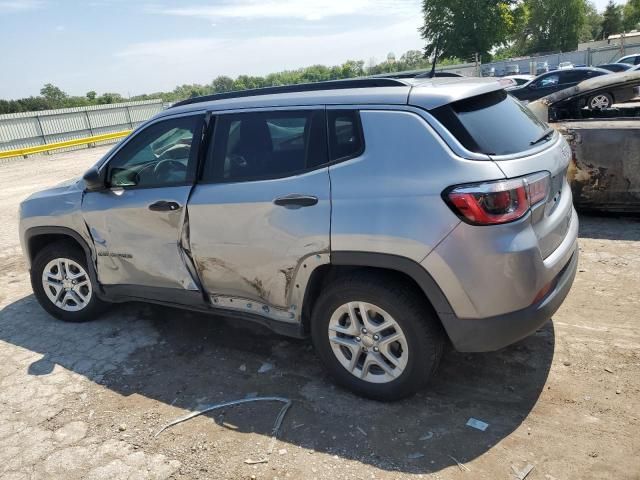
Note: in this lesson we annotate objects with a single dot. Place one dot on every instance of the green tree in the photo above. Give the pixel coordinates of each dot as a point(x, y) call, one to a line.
point(631, 15)
point(461, 28)
point(91, 95)
point(222, 84)
point(549, 25)
point(53, 94)
point(611, 19)
point(592, 28)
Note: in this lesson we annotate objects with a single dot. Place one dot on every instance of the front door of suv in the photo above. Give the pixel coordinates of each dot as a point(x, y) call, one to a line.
point(262, 207)
point(136, 223)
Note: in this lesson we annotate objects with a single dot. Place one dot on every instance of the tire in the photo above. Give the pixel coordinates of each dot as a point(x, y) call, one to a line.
point(386, 300)
point(600, 101)
point(83, 293)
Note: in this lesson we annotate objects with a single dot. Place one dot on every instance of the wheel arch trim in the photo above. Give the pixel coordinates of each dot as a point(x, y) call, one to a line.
point(400, 264)
point(34, 232)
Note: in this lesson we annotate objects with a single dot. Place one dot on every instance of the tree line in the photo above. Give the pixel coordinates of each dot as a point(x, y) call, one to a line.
point(454, 32)
point(52, 97)
point(498, 29)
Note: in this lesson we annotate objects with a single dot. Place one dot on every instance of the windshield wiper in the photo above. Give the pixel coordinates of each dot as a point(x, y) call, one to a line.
point(549, 131)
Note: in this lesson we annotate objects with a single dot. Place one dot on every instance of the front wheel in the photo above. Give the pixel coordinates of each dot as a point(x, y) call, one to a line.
point(61, 282)
point(376, 337)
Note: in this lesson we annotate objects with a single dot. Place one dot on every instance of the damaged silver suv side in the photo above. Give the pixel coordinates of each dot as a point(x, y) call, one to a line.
point(380, 217)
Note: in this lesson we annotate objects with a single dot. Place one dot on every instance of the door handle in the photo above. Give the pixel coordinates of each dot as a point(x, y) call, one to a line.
point(164, 206)
point(296, 201)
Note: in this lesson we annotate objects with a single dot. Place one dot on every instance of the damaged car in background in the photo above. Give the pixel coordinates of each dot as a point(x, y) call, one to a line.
point(605, 143)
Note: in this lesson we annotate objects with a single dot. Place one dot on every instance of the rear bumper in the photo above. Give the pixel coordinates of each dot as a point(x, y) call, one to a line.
point(493, 333)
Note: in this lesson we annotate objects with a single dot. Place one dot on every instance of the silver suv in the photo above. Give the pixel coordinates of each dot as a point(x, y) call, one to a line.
point(381, 217)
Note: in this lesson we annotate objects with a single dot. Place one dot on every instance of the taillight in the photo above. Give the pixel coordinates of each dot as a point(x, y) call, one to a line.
point(498, 202)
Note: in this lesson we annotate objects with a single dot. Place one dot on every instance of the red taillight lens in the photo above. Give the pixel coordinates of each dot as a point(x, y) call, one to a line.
point(498, 202)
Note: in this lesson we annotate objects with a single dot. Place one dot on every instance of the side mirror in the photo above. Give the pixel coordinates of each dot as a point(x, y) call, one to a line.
point(93, 180)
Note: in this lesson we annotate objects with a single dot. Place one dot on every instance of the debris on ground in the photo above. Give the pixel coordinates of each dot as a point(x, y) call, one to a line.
point(522, 474)
point(276, 425)
point(265, 367)
point(362, 431)
point(414, 456)
point(461, 465)
point(477, 424)
point(607, 369)
point(427, 436)
point(248, 461)
point(242, 368)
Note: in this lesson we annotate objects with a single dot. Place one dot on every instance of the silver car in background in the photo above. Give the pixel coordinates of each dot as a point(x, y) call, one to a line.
point(381, 217)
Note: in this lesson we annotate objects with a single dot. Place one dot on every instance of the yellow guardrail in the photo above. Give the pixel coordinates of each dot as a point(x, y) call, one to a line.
point(19, 152)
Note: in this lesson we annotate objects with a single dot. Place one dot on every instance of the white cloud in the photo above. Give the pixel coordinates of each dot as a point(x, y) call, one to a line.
point(13, 6)
point(162, 65)
point(295, 9)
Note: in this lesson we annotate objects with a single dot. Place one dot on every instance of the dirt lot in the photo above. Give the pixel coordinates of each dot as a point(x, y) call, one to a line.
point(84, 401)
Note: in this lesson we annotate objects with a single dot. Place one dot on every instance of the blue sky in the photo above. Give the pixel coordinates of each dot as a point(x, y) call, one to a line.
point(134, 47)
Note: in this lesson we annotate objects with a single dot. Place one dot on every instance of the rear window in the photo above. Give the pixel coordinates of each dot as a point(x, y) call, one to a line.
point(494, 123)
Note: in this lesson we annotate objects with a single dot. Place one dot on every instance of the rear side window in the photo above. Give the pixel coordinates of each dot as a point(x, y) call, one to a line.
point(259, 145)
point(345, 134)
point(494, 123)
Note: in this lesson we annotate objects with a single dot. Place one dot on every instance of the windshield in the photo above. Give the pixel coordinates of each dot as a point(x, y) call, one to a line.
point(493, 124)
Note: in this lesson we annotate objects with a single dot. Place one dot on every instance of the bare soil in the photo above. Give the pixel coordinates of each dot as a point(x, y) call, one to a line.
point(84, 401)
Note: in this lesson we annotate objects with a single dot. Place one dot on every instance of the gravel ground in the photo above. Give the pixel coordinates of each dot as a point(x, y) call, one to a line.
point(84, 401)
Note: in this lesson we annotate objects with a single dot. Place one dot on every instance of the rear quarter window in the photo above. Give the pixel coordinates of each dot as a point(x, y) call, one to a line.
point(494, 123)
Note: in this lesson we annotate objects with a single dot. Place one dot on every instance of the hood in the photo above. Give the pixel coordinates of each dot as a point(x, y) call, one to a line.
point(64, 189)
point(605, 83)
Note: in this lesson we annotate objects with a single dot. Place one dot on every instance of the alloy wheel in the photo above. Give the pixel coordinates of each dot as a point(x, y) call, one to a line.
point(368, 342)
point(67, 284)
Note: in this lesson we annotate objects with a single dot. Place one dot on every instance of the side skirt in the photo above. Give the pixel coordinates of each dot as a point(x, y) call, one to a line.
point(192, 300)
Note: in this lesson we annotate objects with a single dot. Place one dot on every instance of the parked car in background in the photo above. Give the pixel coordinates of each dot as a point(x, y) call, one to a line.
point(630, 59)
point(383, 218)
point(520, 79)
point(489, 72)
point(557, 80)
point(616, 67)
point(605, 166)
point(565, 65)
point(541, 67)
point(513, 69)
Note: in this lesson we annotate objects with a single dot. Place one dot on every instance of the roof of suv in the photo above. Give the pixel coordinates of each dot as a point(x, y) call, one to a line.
point(427, 93)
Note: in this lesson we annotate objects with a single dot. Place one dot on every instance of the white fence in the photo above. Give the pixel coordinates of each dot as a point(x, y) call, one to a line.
point(591, 57)
point(31, 129)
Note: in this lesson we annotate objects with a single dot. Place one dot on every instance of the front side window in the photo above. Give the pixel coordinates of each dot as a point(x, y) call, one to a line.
point(629, 60)
point(259, 145)
point(549, 81)
point(159, 155)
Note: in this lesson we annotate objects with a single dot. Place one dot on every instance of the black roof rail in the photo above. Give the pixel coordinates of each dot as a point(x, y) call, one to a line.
point(301, 87)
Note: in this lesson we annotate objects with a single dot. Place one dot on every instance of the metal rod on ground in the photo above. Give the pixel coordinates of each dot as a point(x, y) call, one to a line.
point(276, 425)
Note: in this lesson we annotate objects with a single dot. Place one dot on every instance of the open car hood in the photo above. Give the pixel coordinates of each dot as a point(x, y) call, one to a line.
point(573, 95)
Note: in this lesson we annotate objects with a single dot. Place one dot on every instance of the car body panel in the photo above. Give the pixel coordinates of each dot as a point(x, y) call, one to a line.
point(502, 253)
point(133, 244)
point(246, 247)
point(406, 216)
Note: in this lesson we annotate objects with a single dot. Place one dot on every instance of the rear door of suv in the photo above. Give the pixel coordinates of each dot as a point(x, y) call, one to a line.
point(262, 205)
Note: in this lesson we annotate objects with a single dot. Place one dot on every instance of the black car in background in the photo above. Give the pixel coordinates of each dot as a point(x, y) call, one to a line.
point(554, 81)
point(616, 67)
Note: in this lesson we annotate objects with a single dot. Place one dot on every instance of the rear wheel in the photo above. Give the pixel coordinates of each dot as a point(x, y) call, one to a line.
point(61, 282)
point(600, 101)
point(376, 337)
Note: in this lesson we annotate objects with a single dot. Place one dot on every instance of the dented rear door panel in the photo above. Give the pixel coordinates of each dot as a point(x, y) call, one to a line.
point(247, 249)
